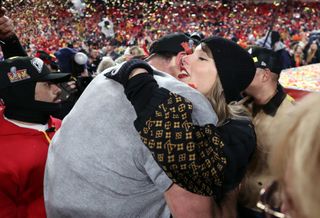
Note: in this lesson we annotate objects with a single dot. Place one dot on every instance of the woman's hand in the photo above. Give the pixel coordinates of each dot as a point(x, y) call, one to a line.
point(6, 25)
point(128, 70)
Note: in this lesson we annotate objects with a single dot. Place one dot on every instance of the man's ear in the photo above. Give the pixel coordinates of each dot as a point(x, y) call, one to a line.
point(179, 57)
point(266, 75)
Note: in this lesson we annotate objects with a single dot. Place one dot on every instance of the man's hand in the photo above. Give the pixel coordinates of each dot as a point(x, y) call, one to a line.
point(128, 70)
point(6, 25)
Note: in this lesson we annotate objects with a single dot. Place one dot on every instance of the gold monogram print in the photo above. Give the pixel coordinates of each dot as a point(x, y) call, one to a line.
point(190, 155)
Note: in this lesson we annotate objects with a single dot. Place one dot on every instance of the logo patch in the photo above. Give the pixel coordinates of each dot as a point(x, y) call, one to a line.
point(17, 75)
point(37, 63)
point(263, 64)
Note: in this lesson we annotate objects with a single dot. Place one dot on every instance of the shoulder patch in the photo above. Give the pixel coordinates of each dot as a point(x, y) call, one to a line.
point(17, 75)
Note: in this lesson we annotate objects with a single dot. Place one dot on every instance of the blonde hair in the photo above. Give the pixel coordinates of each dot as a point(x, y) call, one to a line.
point(131, 52)
point(224, 111)
point(105, 63)
point(297, 147)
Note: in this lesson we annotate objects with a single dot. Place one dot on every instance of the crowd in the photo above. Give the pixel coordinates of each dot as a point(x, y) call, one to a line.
point(50, 25)
point(169, 109)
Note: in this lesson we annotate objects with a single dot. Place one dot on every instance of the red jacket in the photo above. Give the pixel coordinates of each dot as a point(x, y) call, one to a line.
point(23, 154)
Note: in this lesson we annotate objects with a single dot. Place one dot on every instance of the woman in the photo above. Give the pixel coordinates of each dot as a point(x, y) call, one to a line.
point(295, 159)
point(312, 53)
point(207, 160)
point(298, 56)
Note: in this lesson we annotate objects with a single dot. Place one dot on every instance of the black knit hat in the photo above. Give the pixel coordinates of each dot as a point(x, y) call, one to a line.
point(266, 58)
point(172, 43)
point(234, 64)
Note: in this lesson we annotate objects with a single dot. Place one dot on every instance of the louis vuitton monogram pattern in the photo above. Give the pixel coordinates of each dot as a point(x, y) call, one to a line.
point(190, 155)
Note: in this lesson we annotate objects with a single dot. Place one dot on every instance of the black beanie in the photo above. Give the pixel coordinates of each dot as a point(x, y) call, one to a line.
point(234, 64)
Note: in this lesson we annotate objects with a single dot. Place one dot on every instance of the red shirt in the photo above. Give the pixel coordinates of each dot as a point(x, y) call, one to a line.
point(23, 154)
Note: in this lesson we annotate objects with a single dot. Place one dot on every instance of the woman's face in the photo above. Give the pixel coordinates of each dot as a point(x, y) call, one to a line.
point(198, 70)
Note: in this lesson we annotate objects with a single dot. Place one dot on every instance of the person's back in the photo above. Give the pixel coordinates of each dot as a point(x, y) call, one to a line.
point(110, 174)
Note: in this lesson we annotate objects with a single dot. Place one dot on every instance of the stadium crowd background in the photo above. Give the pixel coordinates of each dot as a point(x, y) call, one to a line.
point(51, 24)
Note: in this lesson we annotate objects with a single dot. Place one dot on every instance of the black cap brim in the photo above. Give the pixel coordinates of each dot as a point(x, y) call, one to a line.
point(55, 77)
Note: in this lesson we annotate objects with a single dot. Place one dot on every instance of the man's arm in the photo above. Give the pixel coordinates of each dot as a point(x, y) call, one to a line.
point(186, 204)
point(10, 43)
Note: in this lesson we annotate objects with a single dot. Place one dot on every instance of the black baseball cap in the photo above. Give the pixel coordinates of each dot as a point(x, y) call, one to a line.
point(172, 43)
point(266, 58)
point(19, 70)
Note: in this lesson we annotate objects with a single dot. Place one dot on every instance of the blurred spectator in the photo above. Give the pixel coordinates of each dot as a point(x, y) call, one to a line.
point(278, 46)
point(312, 53)
point(75, 63)
point(110, 49)
point(105, 63)
point(298, 55)
point(131, 52)
point(295, 159)
point(94, 60)
point(48, 59)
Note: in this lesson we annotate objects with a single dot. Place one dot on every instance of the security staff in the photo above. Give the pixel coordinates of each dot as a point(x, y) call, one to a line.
point(267, 102)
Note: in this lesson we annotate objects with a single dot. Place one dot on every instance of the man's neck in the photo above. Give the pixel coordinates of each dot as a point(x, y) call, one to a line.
point(160, 64)
point(265, 94)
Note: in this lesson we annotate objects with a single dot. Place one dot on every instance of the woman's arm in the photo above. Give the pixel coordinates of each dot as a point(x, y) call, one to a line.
point(192, 156)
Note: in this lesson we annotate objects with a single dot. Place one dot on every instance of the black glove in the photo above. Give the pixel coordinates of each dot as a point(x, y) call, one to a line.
point(122, 74)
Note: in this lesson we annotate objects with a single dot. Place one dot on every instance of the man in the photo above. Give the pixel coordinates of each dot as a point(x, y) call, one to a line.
point(71, 61)
point(97, 165)
point(30, 95)
point(109, 49)
point(268, 102)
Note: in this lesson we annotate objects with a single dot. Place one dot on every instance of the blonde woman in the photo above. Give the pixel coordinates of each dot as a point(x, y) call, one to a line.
point(105, 63)
point(295, 159)
point(208, 160)
point(131, 52)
